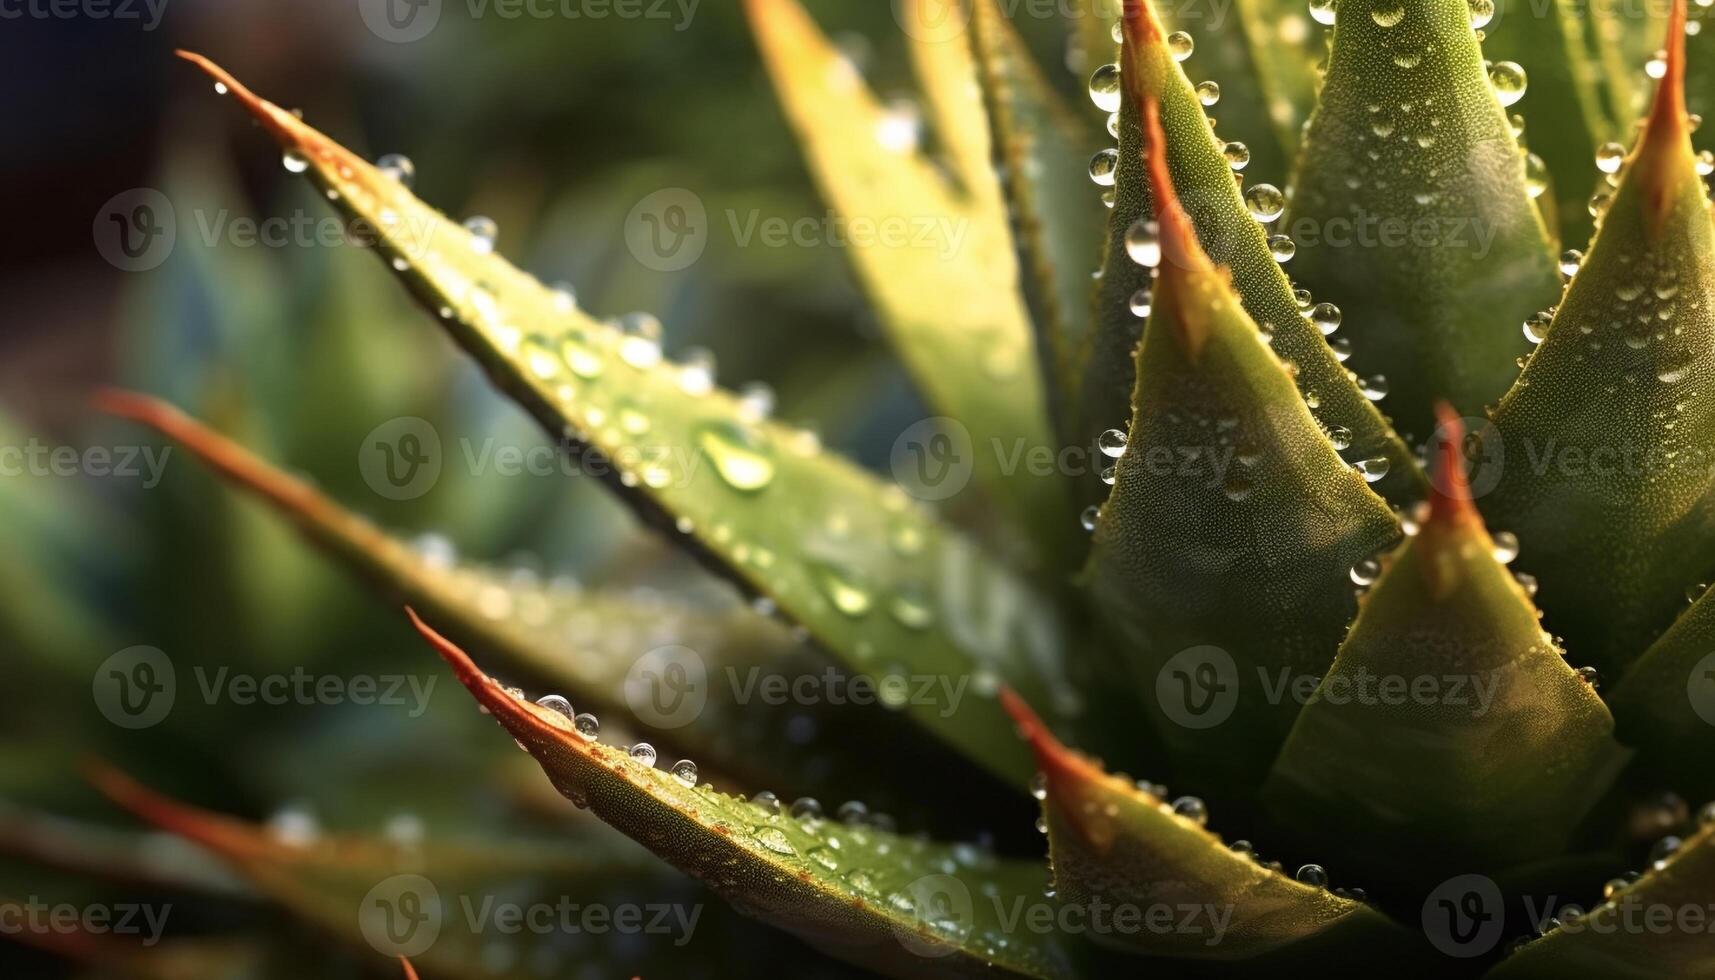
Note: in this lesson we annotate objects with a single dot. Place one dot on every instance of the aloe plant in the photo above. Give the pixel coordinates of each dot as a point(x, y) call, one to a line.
point(1376, 519)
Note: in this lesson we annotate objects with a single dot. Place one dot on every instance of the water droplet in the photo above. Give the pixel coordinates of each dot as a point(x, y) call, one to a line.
point(1375, 388)
point(1590, 676)
point(1143, 243)
point(397, 166)
point(1141, 302)
point(685, 771)
point(557, 704)
point(1238, 155)
point(1326, 317)
point(1342, 348)
point(1340, 436)
point(1388, 13)
point(295, 826)
point(1373, 469)
point(1609, 157)
point(1508, 81)
point(1180, 45)
point(1506, 546)
point(775, 840)
point(643, 753)
point(1695, 590)
point(1482, 11)
point(294, 162)
point(1192, 808)
point(1112, 443)
point(1105, 88)
point(1103, 165)
point(483, 232)
point(911, 608)
point(1536, 327)
point(588, 726)
point(1366, 572)
point(1571, 261)
point(1656, 67)
point(1208, 92)
point(1323, 12)
point(1313, 875)
point(843, 590)
point(1091, 515)
point(1265, 202)
point(1282, 248)
point(742, 456)
point(900, 128)
point(806, 808)
point(1114, 125)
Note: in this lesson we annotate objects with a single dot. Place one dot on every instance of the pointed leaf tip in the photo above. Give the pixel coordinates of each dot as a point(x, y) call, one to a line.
point(1668, 112)
point(1141, 25)
point(410, 972)
point(1449, 493)
point(1179, 244)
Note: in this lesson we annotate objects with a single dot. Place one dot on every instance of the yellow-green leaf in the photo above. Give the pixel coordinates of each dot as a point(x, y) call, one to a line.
point(1410, 210)
point(899, 906)
point(1117, 846)
point(949, 296)
point(1604, 446)
point(870, 572)
point(1449, 731)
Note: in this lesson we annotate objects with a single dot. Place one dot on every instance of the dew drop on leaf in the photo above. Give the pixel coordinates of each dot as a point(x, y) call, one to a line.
point(1508, 80)
point(742, 457)
point(1103, 165)
point(1265, 202)
point(1105, 88)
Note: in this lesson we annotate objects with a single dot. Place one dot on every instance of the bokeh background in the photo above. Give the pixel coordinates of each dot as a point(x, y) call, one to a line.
point(555, 126)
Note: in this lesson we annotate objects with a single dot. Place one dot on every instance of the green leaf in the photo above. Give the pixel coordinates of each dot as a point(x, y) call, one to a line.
point(1566, 116)
point(446, 903)
point(1605, 442)
point(1411, 213)
point(867, 896)
point(949, 296)
point(1665, 705)
point(1045, 148)
point(1657, 926)
point(1224, 549)
point(609, 649)
point(1233, 240)
point(1117, 846)
point(1449, 731)
point(870, 572)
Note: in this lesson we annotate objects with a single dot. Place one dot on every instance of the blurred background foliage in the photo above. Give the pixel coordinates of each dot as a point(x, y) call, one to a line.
point(555, 127)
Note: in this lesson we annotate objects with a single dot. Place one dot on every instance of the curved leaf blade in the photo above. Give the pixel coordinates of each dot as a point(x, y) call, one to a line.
point(873, 576)
point(862, 895)
point(1665, 704)
point(1605, 442)
point(1223, 552)
point(1233, 240)
point(1045, 147)
point(1411, 213)
point(950, 302)
point(1117, 845)
point(1449, 731)
point(1654, 927)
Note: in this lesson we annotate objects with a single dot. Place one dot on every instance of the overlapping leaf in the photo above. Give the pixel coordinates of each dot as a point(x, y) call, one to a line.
point(1117, 847)
point(1600, 457)
point(1045, 148)
point(867, 570)
point(1657, 926)
point(1665, 705)
point(1235, 241)
point(950, 295)
point(1410, 210)
point(1449, 731)
point(1222, 555)
point(1565, 113)
point(704, 680)
point(902, 907)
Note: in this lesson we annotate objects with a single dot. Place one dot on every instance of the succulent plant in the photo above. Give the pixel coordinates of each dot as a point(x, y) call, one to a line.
point(1360, 513)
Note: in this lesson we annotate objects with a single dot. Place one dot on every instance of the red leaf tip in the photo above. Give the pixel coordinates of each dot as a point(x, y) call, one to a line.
point(1055, 760)
point(410, 971)
point(1449, 492)
point(1141, 26)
